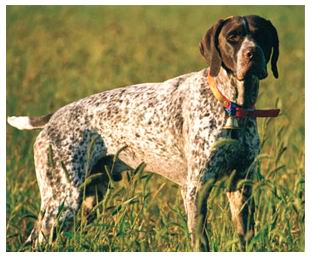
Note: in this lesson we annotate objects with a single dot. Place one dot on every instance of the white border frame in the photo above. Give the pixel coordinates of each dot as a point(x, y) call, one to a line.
point(308, 120)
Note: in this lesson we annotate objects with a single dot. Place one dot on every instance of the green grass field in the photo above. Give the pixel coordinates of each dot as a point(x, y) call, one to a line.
point(56, 55)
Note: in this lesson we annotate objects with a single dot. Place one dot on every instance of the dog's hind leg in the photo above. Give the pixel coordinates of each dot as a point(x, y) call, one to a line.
point(61, 170)
point(60, 198)
point(52, 214)
point(108, 168)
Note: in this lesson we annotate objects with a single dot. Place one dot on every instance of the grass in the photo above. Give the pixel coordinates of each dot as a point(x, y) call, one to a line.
point(56, 55)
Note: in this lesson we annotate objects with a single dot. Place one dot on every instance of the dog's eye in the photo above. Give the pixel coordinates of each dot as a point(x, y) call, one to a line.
point(234, 37)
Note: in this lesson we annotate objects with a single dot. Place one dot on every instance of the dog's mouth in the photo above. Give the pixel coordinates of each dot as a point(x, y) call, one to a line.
point(252, 70)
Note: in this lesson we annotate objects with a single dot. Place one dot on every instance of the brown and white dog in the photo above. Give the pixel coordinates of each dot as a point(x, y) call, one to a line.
point(172, 126)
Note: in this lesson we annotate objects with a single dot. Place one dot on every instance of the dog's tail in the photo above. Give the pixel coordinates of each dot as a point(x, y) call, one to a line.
point(29, 123)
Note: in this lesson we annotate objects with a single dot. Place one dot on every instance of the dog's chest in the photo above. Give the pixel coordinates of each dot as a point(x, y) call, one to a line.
point(206, 133)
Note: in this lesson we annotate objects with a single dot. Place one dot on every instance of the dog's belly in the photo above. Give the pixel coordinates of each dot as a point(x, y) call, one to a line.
point(172, 168)
point(162, 158)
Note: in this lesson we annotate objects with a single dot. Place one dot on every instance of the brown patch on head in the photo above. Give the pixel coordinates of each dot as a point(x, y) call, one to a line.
point(209, 49)
point(230, 40)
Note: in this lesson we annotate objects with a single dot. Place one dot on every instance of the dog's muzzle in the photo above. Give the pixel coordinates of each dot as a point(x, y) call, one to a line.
point(251, 63)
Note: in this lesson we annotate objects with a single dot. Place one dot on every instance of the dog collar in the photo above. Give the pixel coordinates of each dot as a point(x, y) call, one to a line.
point(233, 109)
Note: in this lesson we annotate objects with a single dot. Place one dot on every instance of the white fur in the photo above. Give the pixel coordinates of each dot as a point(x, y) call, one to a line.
point(247, 43)
point(21, 122)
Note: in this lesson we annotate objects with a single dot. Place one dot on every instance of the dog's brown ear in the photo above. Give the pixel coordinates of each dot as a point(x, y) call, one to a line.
point(209, 48)
point(275, 52)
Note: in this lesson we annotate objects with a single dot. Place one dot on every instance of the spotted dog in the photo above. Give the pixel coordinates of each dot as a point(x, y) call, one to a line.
point(172, 126)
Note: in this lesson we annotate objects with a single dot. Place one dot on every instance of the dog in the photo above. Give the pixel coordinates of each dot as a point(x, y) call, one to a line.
point(173, 127)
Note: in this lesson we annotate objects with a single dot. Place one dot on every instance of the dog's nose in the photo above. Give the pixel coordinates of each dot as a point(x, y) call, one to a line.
point(250, 53)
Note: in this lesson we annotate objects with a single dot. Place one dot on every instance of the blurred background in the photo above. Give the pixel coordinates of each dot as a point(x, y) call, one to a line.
point(56, 55)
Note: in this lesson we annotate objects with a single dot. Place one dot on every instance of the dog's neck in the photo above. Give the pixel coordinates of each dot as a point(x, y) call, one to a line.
point(244, 92)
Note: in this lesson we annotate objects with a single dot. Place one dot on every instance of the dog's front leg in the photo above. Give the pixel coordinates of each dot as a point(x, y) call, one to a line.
point(242, 211)
point(195, 201)
point(196, 221)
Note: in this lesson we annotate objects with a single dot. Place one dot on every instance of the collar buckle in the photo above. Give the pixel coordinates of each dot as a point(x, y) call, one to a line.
point(231, 109)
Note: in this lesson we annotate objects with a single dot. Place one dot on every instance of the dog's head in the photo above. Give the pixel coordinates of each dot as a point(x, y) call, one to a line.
point(241, 45)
